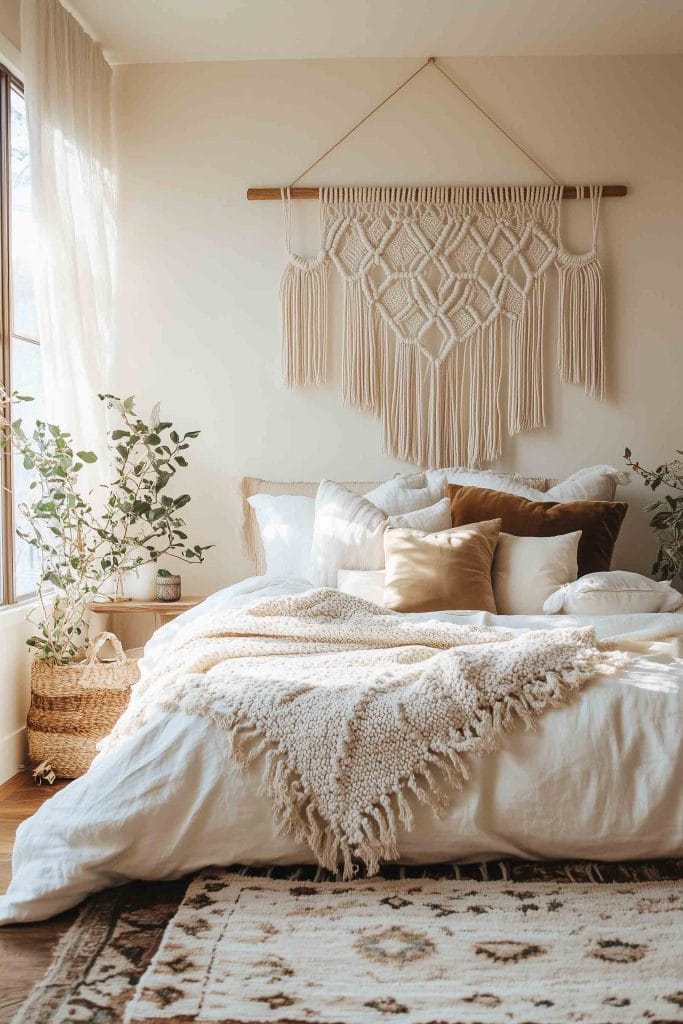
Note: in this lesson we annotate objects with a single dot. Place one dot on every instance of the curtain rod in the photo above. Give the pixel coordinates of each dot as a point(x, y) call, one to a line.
point(313, 192)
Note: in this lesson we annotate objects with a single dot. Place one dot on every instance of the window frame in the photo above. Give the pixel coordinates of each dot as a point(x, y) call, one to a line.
point(8, 81)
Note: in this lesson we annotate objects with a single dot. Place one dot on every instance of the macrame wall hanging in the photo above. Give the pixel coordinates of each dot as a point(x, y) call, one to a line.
point(444, 294)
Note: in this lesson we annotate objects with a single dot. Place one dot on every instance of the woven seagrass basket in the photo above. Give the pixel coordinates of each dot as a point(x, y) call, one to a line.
point(75, 706)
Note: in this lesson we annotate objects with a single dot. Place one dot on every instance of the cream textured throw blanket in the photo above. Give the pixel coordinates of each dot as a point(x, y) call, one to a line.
point(359, 712)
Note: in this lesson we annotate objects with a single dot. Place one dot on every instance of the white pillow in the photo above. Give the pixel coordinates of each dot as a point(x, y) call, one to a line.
point(349, 531)
point(285, 523)
point(509, 482)
point(595, 483)
point(368, 584)
point(614, 593)
point(404, 493)
point(527, 570)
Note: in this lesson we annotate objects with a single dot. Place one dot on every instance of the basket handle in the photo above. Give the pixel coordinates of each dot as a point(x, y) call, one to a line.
point(99, 642)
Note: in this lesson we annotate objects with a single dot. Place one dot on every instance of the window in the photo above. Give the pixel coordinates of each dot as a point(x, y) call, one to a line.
point(20, 365)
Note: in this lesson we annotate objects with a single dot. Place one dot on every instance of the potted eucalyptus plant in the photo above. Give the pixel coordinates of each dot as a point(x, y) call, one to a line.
point(667, 518)
point(86, 542)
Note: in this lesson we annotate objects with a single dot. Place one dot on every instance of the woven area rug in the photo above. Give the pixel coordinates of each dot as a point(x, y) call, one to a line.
point(504, 942)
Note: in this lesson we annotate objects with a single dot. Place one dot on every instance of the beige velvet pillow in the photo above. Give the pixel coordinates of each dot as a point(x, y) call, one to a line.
point(450, 570)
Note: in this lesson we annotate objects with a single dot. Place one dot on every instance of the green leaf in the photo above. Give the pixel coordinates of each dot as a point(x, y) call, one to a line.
point(153, 439)
point(181, 461)
point(118, 434)
point(182, 500)
point(88, 457)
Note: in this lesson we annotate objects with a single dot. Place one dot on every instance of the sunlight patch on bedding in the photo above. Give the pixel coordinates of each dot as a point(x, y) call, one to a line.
point(646, 674)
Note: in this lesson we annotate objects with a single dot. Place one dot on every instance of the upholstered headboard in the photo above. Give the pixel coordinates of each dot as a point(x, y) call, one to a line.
point(254, 485)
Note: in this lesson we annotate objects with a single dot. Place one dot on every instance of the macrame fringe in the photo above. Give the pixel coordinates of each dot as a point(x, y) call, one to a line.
point(581, 324)
point(428, 416)
point(526, 406)
point(483, 355)
point(303, 298)
point(403, 405)
point(454, 450)
point(361, 357)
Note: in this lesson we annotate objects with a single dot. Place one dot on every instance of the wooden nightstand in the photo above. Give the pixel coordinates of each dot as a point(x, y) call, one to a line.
point(163, 611)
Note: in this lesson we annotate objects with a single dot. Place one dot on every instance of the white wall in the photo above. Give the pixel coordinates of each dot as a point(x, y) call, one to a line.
point(14, 689)
point(198, 315)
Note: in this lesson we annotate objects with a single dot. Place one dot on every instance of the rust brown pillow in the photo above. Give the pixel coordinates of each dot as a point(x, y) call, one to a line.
point(599, 521)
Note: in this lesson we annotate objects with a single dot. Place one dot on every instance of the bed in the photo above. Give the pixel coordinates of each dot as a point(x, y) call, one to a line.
point(599, 778)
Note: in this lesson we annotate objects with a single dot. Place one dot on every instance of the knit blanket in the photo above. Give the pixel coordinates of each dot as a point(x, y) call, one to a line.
point(359, 712)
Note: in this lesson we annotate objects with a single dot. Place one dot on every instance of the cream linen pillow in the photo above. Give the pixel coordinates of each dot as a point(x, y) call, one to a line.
point(527, 570)
point(443, 571)
point(349, 531)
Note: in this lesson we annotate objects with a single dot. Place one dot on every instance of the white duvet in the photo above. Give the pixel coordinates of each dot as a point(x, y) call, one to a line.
point(599, 778)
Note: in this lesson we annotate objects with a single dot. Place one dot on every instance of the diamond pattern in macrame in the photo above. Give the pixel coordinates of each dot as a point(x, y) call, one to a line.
point(435, 271)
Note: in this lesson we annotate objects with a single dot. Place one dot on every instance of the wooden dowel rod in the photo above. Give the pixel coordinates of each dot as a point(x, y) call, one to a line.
point(313, 192)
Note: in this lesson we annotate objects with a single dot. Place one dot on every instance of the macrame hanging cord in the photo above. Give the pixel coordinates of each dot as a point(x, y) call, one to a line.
point(444, 296)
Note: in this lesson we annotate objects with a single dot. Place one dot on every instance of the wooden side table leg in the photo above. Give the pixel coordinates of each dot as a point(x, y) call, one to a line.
point(158, 620)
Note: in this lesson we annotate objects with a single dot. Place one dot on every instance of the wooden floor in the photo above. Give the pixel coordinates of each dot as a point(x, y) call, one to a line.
point(25, 950)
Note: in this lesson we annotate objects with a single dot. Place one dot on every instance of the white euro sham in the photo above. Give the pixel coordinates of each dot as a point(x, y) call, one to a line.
point(593, 483)
point(285, 522)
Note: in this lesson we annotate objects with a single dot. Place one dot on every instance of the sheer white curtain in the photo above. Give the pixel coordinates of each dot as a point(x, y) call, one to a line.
point(68, 86)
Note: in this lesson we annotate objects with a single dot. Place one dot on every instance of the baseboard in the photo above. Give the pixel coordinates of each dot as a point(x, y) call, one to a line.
point(12, 753)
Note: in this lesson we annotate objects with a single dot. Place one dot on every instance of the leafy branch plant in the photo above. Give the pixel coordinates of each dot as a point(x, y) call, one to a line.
point(667, 518)
point(86, 540)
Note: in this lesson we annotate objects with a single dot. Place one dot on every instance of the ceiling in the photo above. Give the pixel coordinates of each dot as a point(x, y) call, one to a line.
point(132, 31)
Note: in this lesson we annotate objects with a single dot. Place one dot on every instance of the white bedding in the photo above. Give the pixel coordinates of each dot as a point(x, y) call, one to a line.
point(599, 778)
